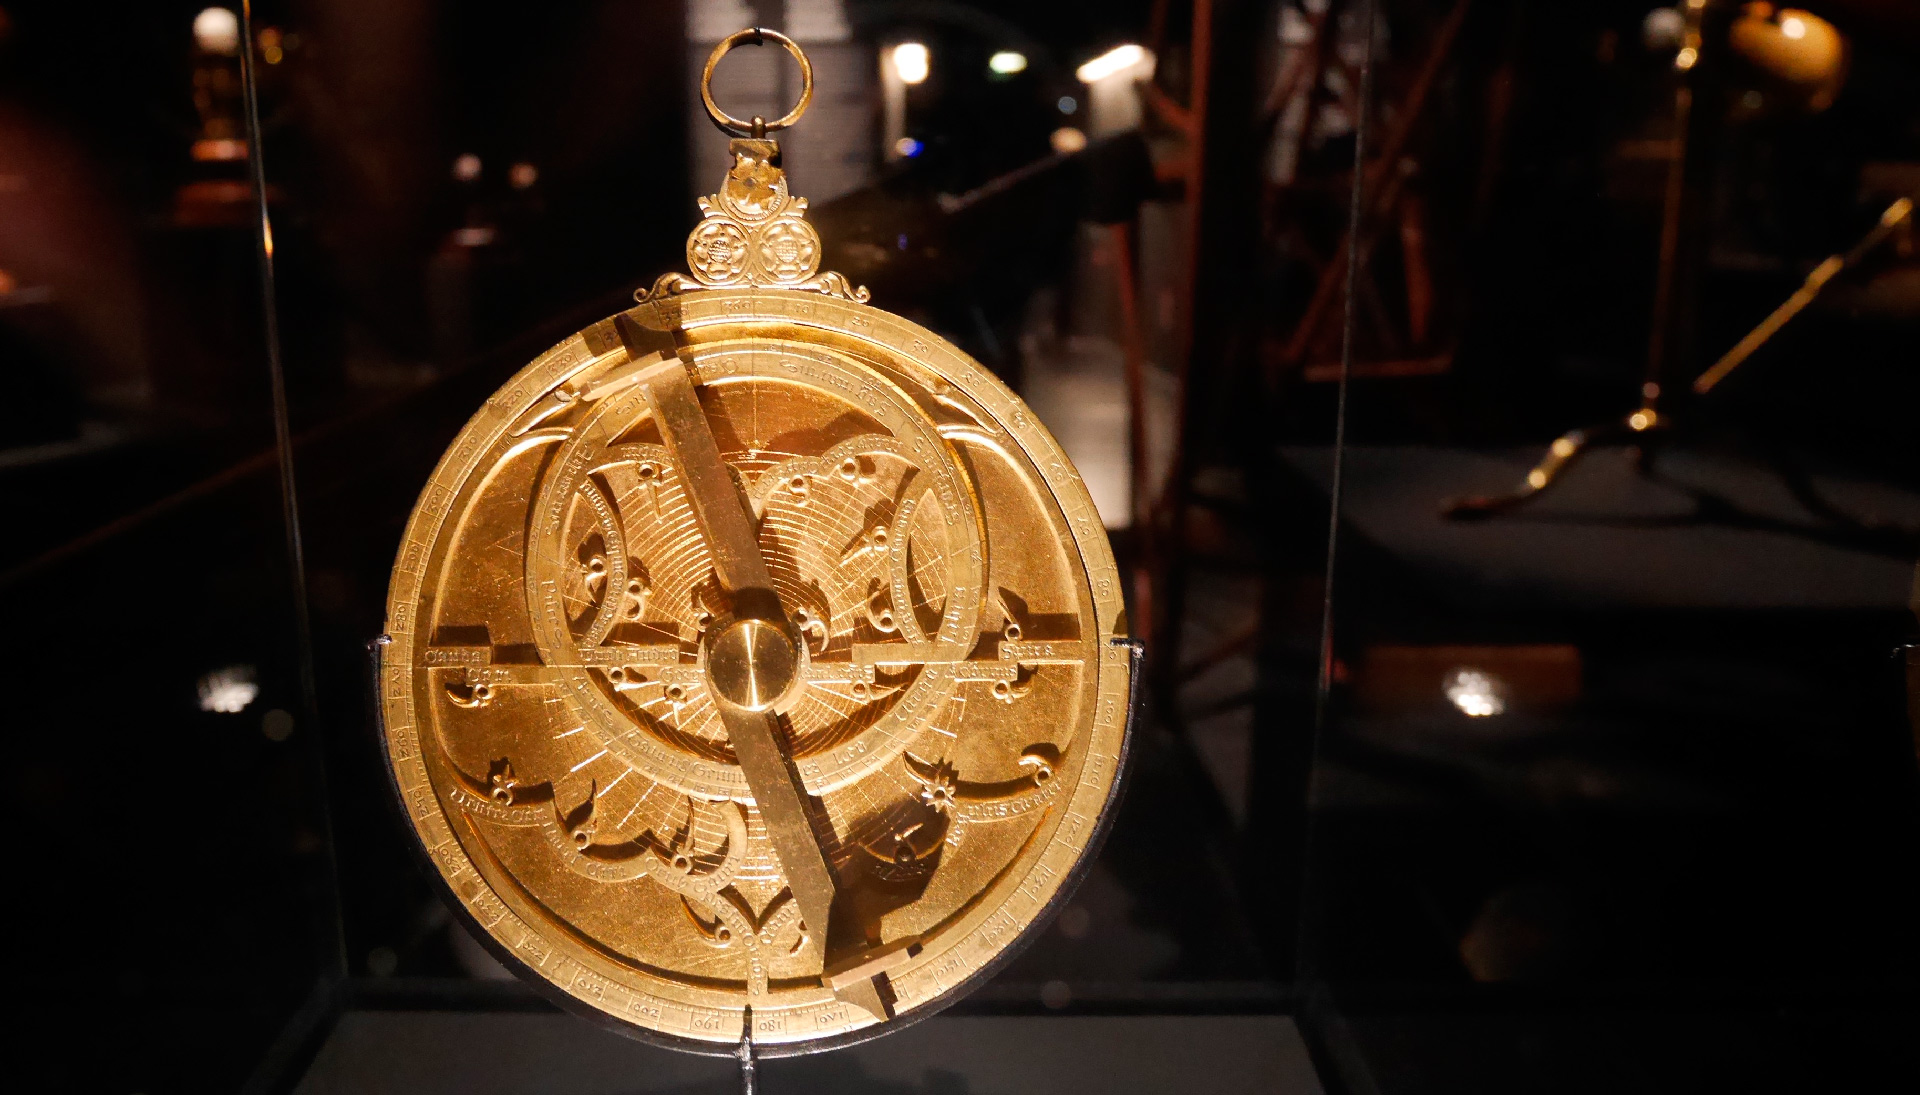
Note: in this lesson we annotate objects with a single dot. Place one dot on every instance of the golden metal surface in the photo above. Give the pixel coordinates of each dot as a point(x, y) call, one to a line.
point(754, 648)
point(758, 127)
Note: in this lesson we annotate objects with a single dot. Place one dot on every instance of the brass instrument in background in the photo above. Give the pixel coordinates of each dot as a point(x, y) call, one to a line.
point(756, 665)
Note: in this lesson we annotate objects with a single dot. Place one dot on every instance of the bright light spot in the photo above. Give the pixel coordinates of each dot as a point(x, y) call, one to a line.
point(907, 146)
point(1295, 28)
point(1640, 420)
point(466, 167)
point(228, 690)
point(1068, 104)
point(1685, 58)
point(1477, 693)
point(1536, 479)
point(217, 30)
point(1663, 28)
point(1563, 447)
point(270, 50)
point(912, 62)
point(1067, 140)
point(1114, 61)
point(522, 175)
point(1793, 27)
point(1007, 62)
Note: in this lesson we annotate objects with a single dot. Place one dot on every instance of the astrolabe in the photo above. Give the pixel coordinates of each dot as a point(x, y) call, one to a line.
point(755, 663)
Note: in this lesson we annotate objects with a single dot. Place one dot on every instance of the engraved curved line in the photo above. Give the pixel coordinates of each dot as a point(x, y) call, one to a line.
point(906, 504)
point(485, 480)
point(919, 860)
point(977, 435)
point(533, 800)
point(980, 896)
point(620, 377)
point(636, 452)
point(709, 931)
point(559, 924)
point(998, 801)
point(613, 590)
point(953, 404)
point(644, 857)
point(823, 465)
point(565, 396)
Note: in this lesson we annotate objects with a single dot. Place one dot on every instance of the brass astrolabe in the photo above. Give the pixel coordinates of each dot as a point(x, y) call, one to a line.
point(755, 663)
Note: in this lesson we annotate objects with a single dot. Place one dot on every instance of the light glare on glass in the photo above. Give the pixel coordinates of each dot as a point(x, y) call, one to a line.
point(217, 30)
point(1117, 59)
point(1007, 62)
point(228, 690)
point(912, 62)
point(1477, 693)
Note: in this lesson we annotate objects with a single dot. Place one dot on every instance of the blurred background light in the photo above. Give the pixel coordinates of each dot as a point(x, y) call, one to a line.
point(1111, 63)
point(277, 725)
point(1007, 62)
point(1477, 693)
point(217, 30)
point(1068, 104)
point(912, 61)
point(1067, 140)
point(1663, 29)
point(228, 690)
point(908, 147)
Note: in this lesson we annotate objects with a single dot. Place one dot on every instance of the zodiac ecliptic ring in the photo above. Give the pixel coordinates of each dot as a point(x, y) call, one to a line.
point(755, 653)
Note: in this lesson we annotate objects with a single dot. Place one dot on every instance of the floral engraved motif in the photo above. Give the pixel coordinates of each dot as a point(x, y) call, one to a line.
point(788, 250)
point(754, 233)
point(717, 252)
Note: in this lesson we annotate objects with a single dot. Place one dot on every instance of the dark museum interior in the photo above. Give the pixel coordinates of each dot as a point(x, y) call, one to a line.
point(1495, 409)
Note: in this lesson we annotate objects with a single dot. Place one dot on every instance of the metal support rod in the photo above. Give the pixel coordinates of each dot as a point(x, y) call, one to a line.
point(1895, 215)
point(744, 1053)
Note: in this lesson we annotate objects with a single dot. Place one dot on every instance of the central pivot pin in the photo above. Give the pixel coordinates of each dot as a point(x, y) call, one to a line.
point(752, 664)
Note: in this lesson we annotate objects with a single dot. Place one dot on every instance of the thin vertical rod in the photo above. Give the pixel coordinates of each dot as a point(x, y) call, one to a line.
point(1323, 687)
point(1672, 206)
point(1304, 964)
point(1141, 503)
point(1168, 600)
point(744, 1053)
point(289, 498)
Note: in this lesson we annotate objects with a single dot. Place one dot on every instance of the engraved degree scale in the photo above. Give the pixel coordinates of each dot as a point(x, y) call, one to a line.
point(756, 664)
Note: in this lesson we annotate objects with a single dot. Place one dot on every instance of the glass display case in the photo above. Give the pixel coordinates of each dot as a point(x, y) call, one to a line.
point(1498, 413)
